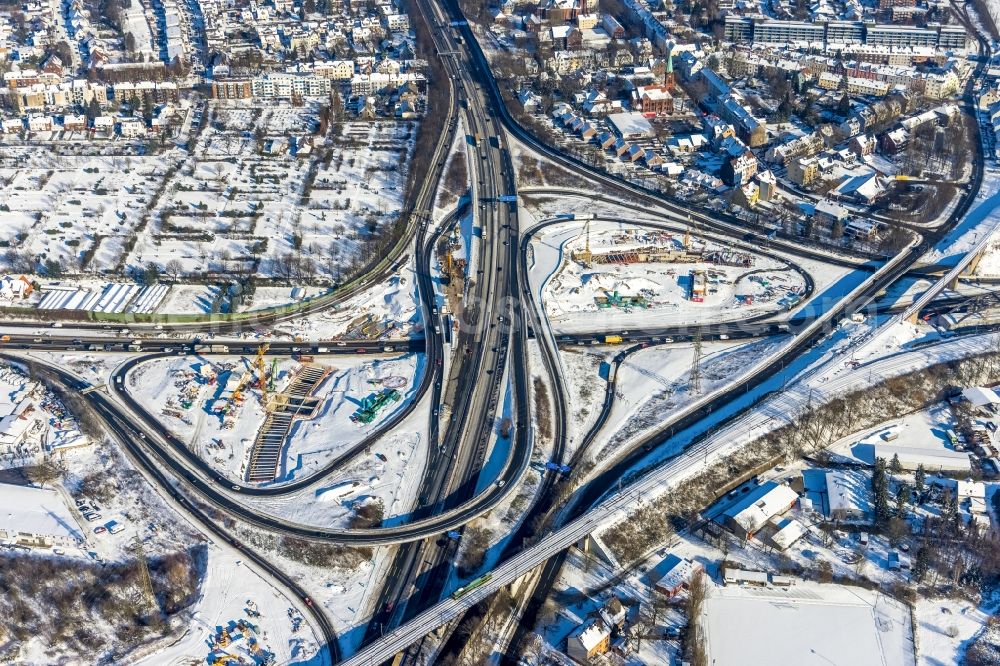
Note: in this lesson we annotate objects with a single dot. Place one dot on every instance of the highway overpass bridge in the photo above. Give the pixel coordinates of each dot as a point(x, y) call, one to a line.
point(990, 212)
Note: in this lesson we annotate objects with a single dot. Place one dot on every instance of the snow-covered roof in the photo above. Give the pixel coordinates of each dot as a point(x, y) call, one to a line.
point(980, 396)
point(973, 489)
point(932, 459)
point(39, 511)
point(630, 124)
point(591, 634)
point(760, 505)
point(844, 492)
point(790, 532)
point(678, 574)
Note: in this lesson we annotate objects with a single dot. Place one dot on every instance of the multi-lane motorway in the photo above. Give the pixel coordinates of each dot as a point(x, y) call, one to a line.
point(488, 355)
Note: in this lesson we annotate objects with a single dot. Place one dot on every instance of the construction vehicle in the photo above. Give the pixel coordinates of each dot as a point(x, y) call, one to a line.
point(373, 404)
point(697, 286)
point(612, 339)
point(614, 299)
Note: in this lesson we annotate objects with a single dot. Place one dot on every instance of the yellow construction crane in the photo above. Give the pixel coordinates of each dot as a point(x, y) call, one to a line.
point(262, 372)
point(586, 256)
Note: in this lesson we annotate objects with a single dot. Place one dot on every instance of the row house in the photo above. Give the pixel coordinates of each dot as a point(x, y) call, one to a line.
point(160, 93)
point(862, 145)
point(286, 86)
point(232, 89)
point(803, 146)
point(803, 171)
point(369, 84)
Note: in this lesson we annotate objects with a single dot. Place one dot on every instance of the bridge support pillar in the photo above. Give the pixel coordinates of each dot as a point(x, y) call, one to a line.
point(971, 268)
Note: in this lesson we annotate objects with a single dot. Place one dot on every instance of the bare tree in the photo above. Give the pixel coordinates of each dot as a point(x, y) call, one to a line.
point(174, 268)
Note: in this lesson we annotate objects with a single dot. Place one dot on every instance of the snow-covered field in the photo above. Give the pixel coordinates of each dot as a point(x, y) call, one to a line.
point(944, 626)
point(234, 593)
point(806, 624)
point(655, 382)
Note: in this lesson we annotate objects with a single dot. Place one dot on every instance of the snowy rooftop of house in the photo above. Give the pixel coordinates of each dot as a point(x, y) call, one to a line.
point(844, 491)
point(788, 533)
point(760, 505)
point(35, 511)
point(973, 489)
point(678, 574)
point(591, 634)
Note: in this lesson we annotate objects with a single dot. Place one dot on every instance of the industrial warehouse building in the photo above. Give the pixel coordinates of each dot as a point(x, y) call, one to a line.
point(933, 460)
point(36, 517)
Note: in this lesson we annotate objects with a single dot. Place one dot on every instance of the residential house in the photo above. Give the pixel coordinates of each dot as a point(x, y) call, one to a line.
point(131, 128)
point(753, 510)
point(847, 495)
point(895, 141)
point(747, 195)
point(768, 185)
point(677, 576)
point(862, 145)
point(829, 213)
point(75, 123)
point(739, 169)
point(40, 124)
point(803, 171)
point(589, 640)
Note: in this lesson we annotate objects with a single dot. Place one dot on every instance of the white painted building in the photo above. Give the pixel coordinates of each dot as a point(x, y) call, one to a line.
point(36, 517)
point(753, 511)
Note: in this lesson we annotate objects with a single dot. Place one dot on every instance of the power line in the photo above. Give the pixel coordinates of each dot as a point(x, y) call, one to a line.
point(695, 381)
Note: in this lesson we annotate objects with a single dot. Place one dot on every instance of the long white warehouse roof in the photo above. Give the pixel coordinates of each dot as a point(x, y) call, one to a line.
point(36, 511)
